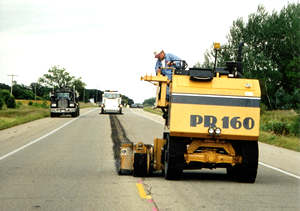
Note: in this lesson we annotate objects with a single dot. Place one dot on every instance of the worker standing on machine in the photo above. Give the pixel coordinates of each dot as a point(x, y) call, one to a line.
point(170, 61)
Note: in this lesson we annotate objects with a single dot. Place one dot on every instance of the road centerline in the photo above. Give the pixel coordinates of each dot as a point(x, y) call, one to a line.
point(140, 186)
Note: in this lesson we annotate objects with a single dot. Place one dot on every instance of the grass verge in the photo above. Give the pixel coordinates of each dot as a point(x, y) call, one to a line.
point(288, 142)
point(23, 114)
point(281, 128)
point(154, 111)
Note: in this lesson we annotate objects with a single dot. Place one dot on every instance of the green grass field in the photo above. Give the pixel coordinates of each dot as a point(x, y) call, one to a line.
point(25, 113)
point(12, 117)
point(154, 111)
point(279, 128)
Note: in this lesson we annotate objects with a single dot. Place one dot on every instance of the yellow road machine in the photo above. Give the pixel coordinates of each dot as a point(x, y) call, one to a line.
point(211, 121)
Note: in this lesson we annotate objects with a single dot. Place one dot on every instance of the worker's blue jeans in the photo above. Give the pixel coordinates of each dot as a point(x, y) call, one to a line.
point(168, 73)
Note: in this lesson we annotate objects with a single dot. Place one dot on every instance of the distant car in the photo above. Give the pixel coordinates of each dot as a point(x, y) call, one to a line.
point(133, 105)
point(139, 105)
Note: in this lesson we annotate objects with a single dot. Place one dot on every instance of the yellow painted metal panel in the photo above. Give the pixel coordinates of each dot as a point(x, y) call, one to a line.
point(193, 120)
point(217, 86)
point(158, 145)
point(231, 104)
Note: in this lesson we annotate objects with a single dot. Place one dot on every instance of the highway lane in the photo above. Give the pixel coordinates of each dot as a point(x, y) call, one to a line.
point(71, 169)
point(74, 169)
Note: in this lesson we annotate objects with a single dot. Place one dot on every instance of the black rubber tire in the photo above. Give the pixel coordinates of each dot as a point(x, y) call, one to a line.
point(140, 165)
point(174, 159)
point(124, 172)
point(246, 171)
point(74, 114)
point(53, 115)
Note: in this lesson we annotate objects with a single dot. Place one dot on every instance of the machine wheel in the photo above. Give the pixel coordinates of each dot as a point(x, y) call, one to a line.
point(140, 165)
point(247, 170)
point(174, 159)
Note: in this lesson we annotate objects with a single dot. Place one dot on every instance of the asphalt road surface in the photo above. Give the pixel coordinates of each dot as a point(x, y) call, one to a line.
point(69, 164)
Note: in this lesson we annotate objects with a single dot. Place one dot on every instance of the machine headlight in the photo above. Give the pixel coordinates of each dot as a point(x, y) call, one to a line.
point(218, 131)
point(53, 105)
point(72, 104)
point(211, 131)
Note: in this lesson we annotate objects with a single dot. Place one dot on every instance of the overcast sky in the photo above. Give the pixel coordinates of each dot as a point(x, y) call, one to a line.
point(110, 43)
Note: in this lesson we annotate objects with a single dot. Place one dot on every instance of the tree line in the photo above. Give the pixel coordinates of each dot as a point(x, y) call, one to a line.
point(57, 77)
point(271, 54)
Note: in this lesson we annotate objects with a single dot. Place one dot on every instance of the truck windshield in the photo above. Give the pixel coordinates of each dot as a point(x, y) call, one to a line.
point(111, 95)
point(63, 95)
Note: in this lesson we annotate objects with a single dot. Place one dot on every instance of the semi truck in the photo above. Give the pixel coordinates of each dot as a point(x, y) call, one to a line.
point(64, 101)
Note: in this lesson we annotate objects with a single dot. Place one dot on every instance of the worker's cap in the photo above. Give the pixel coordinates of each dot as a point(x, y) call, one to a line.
point(156, 55)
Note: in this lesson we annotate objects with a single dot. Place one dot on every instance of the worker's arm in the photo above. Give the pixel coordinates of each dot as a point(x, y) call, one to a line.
point(169, 58)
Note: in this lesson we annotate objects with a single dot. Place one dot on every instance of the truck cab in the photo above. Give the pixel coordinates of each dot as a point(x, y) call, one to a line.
point(64, 101)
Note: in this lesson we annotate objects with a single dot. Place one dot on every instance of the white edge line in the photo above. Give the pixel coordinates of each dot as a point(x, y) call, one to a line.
point(280, 170)
point(146, 117)
point(42, 137)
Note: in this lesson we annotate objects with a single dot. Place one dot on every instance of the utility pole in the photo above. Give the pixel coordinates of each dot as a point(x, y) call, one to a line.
point(84, 95)
point(12, 82)
point(35, 92)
